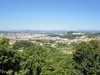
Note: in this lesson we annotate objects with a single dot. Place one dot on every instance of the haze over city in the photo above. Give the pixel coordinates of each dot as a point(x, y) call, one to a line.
point(49, 14)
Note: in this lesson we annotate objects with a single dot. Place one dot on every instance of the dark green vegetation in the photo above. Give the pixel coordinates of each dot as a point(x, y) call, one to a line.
point(40, 60)
point(70, 35)
point(92, 35)
point(22, 44)
point(87, 58)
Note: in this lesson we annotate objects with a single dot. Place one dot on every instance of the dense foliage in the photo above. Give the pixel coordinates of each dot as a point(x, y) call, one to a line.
point(69, 35)
point(87, 58)
point(9, 59)
point(22, 44)
point(40, 60)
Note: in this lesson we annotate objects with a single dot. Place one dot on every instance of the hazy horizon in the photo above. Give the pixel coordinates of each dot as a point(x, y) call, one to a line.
point(49, 15)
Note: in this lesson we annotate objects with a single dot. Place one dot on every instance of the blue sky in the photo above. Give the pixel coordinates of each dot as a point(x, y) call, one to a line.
point(49, 14)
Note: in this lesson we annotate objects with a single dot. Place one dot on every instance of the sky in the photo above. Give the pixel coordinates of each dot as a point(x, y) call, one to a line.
point(50, 15)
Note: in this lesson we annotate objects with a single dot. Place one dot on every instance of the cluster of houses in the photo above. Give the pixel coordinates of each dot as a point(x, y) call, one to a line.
point(33, 37)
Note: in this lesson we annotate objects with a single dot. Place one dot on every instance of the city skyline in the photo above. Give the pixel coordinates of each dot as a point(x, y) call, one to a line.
point(49, 15)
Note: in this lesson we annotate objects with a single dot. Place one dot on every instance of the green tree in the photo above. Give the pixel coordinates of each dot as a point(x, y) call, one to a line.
point(22, 44)
point(9, 61)
point(4, 41)
point(33, 59)
point(57, 63)
point(87, 57)
point(37, 60)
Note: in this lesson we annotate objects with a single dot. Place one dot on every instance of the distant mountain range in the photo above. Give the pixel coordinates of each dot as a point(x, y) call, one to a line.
point(42, 32)
point(32, 31)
